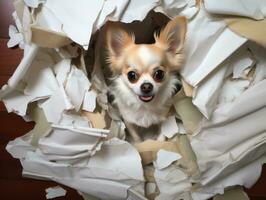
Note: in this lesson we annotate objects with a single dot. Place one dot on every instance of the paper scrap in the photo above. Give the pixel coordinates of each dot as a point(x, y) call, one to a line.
point(62, 69)
point(190, 115)
point(48, 38)
point(249, 8)
point(149, 148)
point(16, 38)
point(15, 101)
point(172, 183)
point(150, 188)
point(238, 138)
point(89, 102)
point(203, 46)
point(33, 3)
point(76, 86)
point(42, 127)
point(243, 62)
point(232, 89)
point(43, 83)
point(53, 192)
point(55, 105)
point(207, 93)
point(75, 17)
point(165, 158)
point(169, 127)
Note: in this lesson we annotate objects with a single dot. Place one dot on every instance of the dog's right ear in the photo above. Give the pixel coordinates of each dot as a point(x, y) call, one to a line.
point(117, 39)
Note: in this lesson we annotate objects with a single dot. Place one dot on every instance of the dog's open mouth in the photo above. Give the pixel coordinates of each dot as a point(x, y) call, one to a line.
point(146, 98)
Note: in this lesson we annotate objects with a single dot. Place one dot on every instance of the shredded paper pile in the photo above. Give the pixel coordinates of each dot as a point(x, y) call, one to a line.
point(216, 140)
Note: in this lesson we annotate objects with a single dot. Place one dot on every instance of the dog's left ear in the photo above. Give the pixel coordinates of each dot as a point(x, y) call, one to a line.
point(172, 37)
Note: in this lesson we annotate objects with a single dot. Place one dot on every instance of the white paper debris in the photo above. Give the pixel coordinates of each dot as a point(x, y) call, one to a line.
point(64, 144)
point(232, 89)
point(55, 105)
point(53, 192)
point(246, 175)
point(207, 93)
point(169, 127)
point(77, 19)
point(165, 158)
point(106, 175)
point(233, 138)
point(62, 70)
point(43, 83)
point(172, 183)
point(203, 47)
point(242, 62)
point(181, 128)
point(17, 102)
point(150, 188)
point(255, 9)
point(76, 86)
point(89, 102)
point(16, 38)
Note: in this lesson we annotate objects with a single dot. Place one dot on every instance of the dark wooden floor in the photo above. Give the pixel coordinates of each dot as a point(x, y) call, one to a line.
point(12, 185)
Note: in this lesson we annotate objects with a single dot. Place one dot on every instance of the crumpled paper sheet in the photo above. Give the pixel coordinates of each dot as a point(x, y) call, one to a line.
point(72, 151)
point(54, 192)
point(107, 169)
point(255, 9)
point(232, 143)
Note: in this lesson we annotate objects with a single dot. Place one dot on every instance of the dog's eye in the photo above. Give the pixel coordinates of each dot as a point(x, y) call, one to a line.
point(158, 75)
point(132, 76)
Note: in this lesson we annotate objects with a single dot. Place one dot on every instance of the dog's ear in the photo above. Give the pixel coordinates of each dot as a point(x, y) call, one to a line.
point(117, 39)
point(172, 37)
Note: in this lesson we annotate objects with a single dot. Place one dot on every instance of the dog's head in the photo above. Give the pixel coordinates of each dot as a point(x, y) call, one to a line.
point(147, 68)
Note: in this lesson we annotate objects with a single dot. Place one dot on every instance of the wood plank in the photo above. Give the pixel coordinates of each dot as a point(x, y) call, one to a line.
point(31, 189)
point(6, 9)
point(10, 168)
point(10, 58)
point(2, 107)
point(3, 80)
point(259, 189)
point(13, 126)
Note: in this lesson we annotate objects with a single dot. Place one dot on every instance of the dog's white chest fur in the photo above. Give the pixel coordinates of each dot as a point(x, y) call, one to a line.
point(140, 114)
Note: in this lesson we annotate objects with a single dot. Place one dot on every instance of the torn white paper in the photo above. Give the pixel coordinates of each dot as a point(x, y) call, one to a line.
point(53, 192)
point(255, 9)
point(203, 47)
point(232, 89)
point(169, 127)
point(172, 183)
point(89, 102)
point(16, 38)
point(77, 19)
point(76, 86)
point(55, 105)
point(165, 158)
point(17, 102)
point(106, 175)
point(233, 138)
point(62, 70)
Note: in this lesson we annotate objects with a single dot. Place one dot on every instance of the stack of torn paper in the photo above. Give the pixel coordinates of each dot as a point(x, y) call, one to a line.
point(216, 140)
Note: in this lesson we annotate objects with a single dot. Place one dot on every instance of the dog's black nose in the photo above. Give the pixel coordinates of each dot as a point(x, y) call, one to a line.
point(146, 88)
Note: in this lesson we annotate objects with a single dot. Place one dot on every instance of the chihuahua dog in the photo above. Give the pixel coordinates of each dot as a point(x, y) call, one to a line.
point(145, 75)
